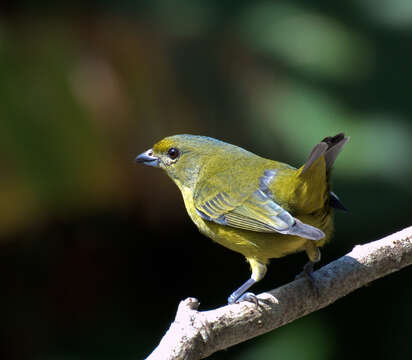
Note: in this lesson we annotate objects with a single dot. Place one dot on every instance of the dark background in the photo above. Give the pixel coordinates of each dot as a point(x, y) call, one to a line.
point(96, 252)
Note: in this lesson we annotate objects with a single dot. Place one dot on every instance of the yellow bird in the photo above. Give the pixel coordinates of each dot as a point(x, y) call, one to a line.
point(258, 207)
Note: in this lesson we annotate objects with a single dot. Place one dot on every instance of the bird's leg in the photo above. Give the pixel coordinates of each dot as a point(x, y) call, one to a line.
point(240, 294)
point(314, 256)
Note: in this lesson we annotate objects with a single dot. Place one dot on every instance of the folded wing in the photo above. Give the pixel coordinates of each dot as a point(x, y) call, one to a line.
point(254, 211)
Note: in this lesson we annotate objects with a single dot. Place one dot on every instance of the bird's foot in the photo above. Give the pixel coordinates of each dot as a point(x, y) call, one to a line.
point(308, 274)
point(245, 297)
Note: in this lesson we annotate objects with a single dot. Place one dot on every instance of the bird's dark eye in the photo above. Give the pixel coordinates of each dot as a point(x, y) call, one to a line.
point(173, 153)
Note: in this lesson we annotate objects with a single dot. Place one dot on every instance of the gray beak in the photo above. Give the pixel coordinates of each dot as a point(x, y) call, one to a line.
point(148, 159)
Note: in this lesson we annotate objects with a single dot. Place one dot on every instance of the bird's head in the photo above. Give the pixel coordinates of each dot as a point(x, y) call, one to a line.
point(183, 156)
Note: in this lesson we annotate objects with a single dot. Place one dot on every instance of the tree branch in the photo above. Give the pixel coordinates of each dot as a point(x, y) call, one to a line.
point(197, 334)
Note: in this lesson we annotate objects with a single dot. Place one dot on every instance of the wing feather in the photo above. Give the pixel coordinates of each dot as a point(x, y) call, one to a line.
point(256, 211)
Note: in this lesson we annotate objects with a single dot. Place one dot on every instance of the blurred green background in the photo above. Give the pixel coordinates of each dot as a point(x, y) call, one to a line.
point(96, 252)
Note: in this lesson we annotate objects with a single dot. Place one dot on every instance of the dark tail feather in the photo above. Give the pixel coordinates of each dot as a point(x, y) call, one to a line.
point(335, 145)
point(330, 147)
point(335, 202)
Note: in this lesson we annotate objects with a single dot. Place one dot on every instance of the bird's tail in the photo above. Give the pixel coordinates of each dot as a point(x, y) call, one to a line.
point(329, 147)
point(315, 173)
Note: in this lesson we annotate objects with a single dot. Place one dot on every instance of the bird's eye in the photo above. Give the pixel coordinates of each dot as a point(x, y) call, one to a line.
point(173, 153)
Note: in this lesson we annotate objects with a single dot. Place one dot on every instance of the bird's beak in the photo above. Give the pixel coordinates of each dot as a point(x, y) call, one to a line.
point(148, 159)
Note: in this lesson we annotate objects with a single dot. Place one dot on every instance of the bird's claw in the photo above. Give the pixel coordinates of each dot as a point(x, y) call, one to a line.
point(308, 274)
point(248, 296)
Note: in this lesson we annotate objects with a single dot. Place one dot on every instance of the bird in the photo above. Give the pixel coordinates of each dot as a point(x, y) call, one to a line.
point(260, 208)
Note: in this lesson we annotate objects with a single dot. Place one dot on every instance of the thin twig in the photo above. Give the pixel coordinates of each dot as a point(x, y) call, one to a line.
point(197, 334)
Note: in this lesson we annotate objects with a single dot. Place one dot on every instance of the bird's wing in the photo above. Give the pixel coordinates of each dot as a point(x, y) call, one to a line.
point(254, 210)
